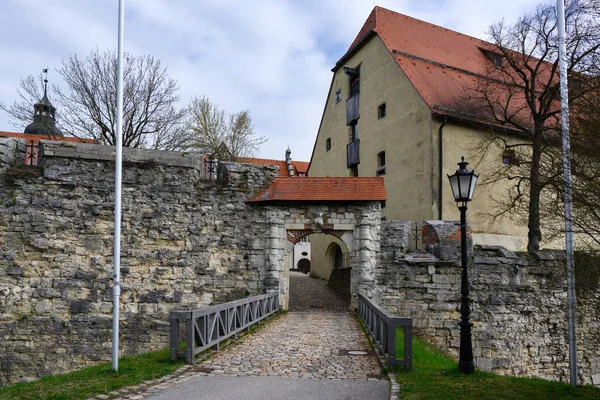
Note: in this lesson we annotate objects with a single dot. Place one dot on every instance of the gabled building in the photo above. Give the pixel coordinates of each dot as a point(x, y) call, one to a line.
point(398, 107)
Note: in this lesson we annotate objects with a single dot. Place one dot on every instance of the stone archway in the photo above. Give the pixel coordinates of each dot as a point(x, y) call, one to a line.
point(356, 224)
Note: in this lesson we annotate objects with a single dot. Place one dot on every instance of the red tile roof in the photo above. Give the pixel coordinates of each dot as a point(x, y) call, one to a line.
point(37, 138)
point(442, 65)
point(323, 189)
point(299, 166)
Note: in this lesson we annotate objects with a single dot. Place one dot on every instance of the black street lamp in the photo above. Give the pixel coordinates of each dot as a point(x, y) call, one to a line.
point(463, 185)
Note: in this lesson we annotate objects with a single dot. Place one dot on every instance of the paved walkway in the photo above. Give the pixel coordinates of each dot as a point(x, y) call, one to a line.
point(314, 352)
point(310, 294)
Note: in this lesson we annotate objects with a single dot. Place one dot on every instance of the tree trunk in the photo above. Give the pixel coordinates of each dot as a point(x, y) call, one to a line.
point(535, 234)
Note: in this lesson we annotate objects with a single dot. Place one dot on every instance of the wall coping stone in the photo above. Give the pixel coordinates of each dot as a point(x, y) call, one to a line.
point(98, 152)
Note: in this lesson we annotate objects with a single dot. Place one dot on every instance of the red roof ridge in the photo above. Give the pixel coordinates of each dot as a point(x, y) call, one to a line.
point(323, 189)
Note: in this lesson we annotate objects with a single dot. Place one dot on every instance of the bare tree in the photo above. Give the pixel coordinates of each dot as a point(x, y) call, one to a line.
point(87, 106)
point(212, 131)
point(29, 92)
point(521, 94)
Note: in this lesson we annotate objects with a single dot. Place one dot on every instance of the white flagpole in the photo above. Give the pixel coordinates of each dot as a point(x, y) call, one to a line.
point(118, 173)
point(566, 145)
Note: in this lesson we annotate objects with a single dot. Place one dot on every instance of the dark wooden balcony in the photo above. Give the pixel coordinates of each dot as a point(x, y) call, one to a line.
point(353, 153)
point(352, 110)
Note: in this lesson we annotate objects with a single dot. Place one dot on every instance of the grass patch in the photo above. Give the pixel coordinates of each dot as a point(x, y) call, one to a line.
point(436, 376)
point(95, 380)
point(101, 379)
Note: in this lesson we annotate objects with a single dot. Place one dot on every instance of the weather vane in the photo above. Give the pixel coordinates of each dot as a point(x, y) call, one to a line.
point(45, 71)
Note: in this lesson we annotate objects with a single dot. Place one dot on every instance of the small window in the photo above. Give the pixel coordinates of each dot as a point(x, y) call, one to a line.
point(338, 96)
point(328, 144)
point(509, 158)
point(304, 253)
point(496, 58)
point(381, 159)
point(380, 164)
point(381, 111)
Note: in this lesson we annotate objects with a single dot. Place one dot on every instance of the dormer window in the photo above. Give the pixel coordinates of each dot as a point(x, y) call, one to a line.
point(496, 58)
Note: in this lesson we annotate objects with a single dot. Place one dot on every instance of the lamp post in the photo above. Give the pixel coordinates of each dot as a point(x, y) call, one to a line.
point(463, 185)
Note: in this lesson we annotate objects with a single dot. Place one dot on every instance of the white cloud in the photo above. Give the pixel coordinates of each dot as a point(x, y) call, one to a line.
point(271, 57)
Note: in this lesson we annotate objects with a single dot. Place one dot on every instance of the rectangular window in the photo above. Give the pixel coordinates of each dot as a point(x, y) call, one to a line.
point(328, 144)
point(510, 158)
point(381, 159)
point(381, 111)
point(354, 132)
point(380, 164)
point(354, 85)
point(338, 96)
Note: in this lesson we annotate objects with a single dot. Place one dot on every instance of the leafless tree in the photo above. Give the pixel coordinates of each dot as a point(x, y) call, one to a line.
point(29, 92)
point(211, 130)
point(87, 106)
point(521, 94)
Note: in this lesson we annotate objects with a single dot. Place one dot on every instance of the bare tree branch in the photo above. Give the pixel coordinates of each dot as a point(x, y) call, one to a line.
point(523, 92)
point(87, 106)
point(209, 128)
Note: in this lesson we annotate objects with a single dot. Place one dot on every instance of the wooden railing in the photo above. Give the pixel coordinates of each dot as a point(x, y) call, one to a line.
point(382, 329)
point(208, 327)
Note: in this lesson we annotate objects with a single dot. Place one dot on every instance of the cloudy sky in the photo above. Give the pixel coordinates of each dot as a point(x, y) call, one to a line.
point(272, 57)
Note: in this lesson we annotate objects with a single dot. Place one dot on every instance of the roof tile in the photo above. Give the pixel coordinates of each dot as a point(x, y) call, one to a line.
point(323, 189)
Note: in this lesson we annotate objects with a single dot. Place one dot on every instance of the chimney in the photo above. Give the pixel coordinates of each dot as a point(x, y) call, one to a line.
point(288, 161)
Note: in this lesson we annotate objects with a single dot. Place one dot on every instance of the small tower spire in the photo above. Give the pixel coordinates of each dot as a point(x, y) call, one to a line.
point(44, 115)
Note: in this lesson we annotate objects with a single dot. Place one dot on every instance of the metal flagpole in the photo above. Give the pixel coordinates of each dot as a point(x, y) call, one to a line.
point(118, 173)
point(566, 145)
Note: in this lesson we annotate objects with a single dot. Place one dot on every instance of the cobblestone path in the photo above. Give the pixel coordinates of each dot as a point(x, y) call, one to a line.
point(310, 294)
point(303, 343)
point(311, 342)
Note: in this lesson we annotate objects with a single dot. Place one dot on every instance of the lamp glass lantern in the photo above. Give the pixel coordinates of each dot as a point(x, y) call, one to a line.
point(463, 182)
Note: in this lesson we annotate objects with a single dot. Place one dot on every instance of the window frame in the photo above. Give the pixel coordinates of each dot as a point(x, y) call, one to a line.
point(338, 96)
point(381, 111)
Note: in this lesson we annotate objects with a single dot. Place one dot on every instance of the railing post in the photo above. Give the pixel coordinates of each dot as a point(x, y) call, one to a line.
point(408, 328)
point(391, 345)
point(174, 337)
point(189, 340)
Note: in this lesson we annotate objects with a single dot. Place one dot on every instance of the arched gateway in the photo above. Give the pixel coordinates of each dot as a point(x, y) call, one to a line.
point(348, 208)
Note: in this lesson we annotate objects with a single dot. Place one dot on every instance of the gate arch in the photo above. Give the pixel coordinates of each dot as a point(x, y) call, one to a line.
point(348, 208)
point(356, 225)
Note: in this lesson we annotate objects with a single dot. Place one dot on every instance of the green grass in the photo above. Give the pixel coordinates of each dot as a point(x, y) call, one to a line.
point(101, 379)
point(436, 376)
point(95, 380)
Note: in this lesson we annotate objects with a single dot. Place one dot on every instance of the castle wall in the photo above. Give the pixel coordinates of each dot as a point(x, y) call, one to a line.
point(519, 304)
point(187, 240)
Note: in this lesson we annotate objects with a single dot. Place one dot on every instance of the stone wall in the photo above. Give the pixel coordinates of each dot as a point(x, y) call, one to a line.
point(518, 305)
point(186, 241)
